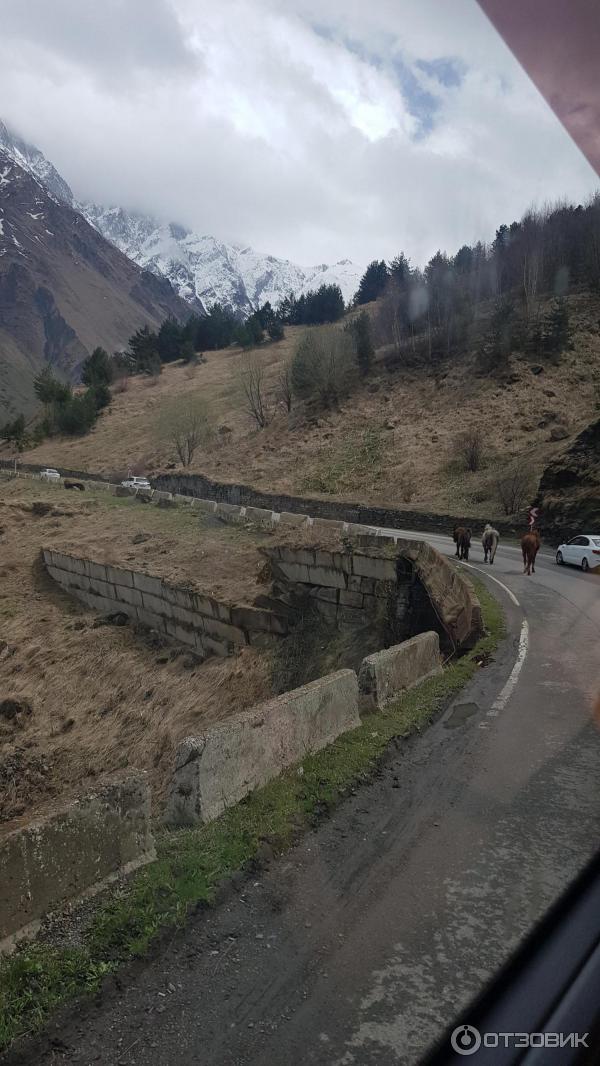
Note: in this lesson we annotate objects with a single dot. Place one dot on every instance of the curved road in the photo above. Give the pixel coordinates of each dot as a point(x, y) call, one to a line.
point(360, 944)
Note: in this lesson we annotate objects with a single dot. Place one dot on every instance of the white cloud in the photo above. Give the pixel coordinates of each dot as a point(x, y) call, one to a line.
point(305, 127)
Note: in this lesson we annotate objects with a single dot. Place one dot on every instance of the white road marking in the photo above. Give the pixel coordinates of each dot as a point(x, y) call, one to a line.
point(501, 583)
point(502, 699)
point(506, 692)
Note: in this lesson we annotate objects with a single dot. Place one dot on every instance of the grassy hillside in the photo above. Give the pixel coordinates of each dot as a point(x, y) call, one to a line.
point(391, 442)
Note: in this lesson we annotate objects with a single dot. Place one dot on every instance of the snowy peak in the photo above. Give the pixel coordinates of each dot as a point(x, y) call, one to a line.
point(35, 163)
point(204, 269)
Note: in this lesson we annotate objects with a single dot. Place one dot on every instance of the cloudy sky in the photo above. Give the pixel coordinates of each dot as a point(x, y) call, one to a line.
point(312, 129)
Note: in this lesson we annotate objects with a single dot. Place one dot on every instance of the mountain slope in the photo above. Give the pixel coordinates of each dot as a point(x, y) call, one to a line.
point(391, 443)
point(32, 160)
point(211, 271)
point(201, 269)
point(63, 288)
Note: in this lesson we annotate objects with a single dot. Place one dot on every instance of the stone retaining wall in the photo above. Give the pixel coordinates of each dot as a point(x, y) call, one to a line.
point(385, 674)
point(387, 565)
point(188, 617)
point(206, 488)
point(73, 851)
point(217, 769)
point(343, 511)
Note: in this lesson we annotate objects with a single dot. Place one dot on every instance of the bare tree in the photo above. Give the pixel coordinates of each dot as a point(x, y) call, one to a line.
point(468, 447)
point(284, 386)
point(514, 489)
point(252, 380)
point(185, 424)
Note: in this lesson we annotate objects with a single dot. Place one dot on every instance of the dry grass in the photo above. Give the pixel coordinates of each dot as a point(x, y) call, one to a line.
point(103, 698)
point(399, 428)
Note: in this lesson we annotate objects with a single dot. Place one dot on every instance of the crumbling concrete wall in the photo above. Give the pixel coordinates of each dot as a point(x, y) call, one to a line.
point(188, 617)
point(73, 851)
point(387, 673)
point(220, 767)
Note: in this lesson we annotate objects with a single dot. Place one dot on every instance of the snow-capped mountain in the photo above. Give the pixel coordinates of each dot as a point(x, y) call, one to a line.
point(64, 289)
point(203, 268)
point(35, 163)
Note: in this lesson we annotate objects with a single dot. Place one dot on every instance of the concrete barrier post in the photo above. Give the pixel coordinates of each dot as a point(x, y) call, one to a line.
point(73, 851)
point(215, 770)
point(385, 674)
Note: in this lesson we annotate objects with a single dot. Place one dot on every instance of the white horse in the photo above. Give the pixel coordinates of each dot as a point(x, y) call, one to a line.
point(489, 541)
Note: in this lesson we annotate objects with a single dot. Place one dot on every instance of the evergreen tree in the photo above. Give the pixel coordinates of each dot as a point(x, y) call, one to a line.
point(97, 369)
point(170, 340)
point(48, 389)
point(373, 282)
point(360, 330)
point(78, 414)
point(143, 348)
point(14, 432)
point(313, 308)
point(556, 327)
point(188, 352)
point(399, 271)
point(275, 330)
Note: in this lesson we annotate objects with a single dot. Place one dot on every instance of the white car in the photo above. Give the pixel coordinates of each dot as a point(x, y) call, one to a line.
point(583, 551)
point(136, 483)
point(49, 474)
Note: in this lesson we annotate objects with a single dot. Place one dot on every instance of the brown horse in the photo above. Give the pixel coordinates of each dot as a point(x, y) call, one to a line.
point(462, 538)
point(530, 546)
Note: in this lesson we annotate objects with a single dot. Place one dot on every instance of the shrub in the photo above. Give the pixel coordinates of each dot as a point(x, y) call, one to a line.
point(468, 448)
point(324, 368)
point(514, 489)
point(252, 384)
point(186, 425)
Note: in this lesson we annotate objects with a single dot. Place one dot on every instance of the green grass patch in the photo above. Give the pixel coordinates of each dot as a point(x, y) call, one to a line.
point(192, 863)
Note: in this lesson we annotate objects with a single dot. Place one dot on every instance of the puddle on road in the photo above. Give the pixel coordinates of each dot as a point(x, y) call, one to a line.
point(460, 714)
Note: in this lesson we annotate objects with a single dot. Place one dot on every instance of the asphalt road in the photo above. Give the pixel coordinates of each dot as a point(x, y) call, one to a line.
point(360, 944)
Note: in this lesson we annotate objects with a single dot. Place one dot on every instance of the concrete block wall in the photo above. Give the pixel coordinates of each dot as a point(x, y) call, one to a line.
point(451, 596)
point(345, 587)
point(188, 617)
point(73, 851)
point(385, 674)
point(220, 767)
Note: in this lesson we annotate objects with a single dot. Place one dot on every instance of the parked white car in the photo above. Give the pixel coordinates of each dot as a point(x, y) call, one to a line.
point(583, 551)
point(136, 483)
point(49, 474)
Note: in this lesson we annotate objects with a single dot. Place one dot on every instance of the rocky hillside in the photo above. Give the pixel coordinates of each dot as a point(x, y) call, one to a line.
point(569, 493)
point(63, 288)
